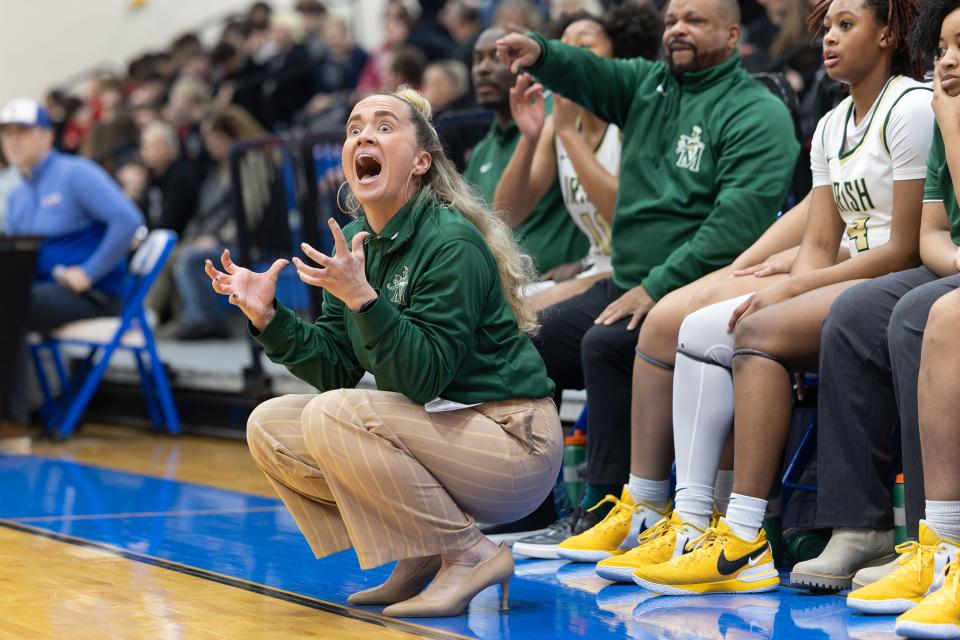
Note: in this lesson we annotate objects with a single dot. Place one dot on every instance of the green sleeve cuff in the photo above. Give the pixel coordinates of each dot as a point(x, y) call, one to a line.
point(276, 335)
point(540, 40)
point(655, 287)
point(375, 321)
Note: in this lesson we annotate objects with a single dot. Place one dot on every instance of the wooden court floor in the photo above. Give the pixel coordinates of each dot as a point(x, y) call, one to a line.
point(57, 590)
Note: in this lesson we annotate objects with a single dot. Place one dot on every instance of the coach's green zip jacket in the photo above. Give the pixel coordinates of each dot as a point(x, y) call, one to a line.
point(440, 327)
point(707, 160)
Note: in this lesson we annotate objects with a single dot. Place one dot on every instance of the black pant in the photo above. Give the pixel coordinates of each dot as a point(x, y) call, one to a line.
point(52, 306)
point(580, 354)
point(869, 365)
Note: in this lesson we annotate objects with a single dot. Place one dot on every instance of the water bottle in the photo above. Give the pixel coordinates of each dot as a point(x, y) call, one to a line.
point(899, 513)
point(803, 545)
point(574, 454)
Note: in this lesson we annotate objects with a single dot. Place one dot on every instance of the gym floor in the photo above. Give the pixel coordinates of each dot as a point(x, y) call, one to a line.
point(119, 533)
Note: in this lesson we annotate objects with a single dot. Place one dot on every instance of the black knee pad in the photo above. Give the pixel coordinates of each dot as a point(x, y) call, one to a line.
point(696, 357)
point(758, 353)
point(653, 361)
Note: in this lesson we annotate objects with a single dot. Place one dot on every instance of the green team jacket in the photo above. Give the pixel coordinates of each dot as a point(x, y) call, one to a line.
point(441, 326)
point(549, 235)
point(706, 164)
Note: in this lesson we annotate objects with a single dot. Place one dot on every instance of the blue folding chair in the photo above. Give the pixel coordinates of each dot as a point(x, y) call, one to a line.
point(104, 336)
point(794, 467)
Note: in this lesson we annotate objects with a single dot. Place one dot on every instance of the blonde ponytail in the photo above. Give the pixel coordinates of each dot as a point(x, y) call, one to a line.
point(443, 184)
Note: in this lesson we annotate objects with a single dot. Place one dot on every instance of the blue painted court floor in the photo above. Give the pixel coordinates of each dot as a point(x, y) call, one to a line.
point(251, 542)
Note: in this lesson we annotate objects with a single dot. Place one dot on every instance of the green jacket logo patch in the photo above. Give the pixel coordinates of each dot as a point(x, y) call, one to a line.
point(690, 150)
point(399, 286)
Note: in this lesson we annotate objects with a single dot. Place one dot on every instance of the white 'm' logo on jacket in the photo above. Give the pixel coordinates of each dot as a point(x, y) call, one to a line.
point(399, 286)
point(689, 150)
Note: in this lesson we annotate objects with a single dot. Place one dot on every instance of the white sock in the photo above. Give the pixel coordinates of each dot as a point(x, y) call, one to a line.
point(695, 504)
point(944, 519)
point(745, 515)
point(722, 489)
point(655, 493)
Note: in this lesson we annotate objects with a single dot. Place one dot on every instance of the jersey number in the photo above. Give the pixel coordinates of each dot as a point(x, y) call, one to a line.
point(599, 231)
point(857, 233)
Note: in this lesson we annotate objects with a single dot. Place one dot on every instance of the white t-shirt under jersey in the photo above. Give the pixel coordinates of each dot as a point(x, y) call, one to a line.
point(861, 162)
point(584, 214)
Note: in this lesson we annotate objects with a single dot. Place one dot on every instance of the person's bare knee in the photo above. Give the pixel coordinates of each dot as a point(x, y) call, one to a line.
point(942, 320)
point(658, 333)
point(758, 331)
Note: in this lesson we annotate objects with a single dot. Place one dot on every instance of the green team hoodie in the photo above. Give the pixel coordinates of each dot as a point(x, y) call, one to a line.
point(440, 327)
point(706, 160)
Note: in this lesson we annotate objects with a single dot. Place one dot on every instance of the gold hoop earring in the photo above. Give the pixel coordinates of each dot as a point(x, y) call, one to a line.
point(340, 200)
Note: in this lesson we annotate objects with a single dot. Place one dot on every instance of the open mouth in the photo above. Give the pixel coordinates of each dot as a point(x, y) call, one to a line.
point(368, 168)
point(830, 59)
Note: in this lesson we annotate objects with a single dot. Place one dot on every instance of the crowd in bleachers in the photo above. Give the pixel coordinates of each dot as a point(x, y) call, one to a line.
point(644, 182)
point(301, 68)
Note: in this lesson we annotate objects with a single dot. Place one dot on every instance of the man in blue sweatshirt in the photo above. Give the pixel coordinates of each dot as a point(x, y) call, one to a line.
point(87, 223)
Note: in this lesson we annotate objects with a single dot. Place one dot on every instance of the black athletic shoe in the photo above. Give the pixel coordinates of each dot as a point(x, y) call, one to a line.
point(544, 545)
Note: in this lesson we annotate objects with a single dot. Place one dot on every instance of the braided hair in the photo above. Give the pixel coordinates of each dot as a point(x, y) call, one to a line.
point(897, 16)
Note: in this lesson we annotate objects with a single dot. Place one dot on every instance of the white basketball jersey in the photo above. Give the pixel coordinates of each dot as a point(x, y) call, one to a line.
point(585, 215)
point(860, 165)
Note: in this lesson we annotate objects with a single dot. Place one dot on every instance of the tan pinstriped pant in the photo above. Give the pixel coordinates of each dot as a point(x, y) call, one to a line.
point(374, 471)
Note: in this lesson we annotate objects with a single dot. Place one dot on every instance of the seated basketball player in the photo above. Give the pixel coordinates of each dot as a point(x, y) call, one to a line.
point(423, 293)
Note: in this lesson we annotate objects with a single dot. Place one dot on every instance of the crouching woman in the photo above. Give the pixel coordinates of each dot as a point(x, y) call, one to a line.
point(422, 293)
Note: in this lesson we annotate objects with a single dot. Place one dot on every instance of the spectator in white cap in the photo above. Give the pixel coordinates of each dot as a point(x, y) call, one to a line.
point(87, 223)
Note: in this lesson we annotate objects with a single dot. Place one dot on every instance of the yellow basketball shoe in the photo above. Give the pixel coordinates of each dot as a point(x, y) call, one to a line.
point(661, 542)
point(937, 615)
point(613, 535)
point(717, 562)
point(920, 571)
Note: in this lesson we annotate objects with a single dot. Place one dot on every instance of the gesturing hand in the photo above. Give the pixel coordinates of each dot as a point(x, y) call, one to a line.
point(251, 291)
point(342, 274)
point(636, 302)
point(518, 51)
point(526, 105)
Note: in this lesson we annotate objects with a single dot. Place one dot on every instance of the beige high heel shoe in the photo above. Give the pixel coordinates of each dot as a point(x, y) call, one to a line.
point(494, 570)
point(393, 591)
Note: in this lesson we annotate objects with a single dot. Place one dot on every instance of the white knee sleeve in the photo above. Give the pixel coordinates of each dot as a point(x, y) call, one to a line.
point(703, 392)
